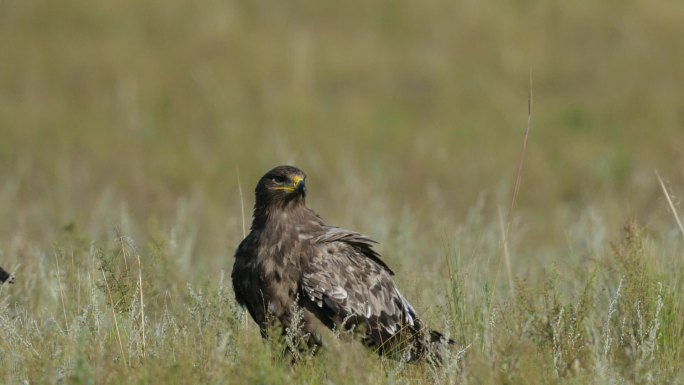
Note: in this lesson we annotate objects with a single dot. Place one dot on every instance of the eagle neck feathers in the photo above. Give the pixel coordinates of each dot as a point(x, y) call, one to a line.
point(283, 217)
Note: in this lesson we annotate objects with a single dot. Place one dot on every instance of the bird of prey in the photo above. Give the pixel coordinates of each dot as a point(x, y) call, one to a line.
point(294, 269)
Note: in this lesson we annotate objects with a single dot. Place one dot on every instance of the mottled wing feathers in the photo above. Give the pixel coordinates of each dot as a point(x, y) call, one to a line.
point(361, 243)
point(344, 279)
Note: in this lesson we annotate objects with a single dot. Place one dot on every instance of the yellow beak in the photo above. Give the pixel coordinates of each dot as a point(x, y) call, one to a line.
point(297, 184)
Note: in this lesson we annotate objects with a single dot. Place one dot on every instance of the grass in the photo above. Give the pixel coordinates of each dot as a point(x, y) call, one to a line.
point(132, 134)
point(622, 323)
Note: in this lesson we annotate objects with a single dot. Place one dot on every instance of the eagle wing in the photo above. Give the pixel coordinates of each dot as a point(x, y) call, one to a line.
point(345, 283)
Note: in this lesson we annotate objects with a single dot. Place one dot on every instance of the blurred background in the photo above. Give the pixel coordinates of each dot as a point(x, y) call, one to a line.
point(407, 116)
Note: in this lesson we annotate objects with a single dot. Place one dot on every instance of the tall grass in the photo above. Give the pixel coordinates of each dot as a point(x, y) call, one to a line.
point(622, 325)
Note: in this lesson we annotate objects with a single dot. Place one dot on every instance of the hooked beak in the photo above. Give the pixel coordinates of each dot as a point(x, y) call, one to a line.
point(299, 185)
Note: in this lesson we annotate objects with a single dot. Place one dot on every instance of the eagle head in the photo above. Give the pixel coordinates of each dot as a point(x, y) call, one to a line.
point(282, 184)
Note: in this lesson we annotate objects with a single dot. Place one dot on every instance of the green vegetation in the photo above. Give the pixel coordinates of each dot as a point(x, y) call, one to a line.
point(125, 127)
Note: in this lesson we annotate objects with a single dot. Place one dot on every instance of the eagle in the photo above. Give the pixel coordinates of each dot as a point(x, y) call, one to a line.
point(295, 274)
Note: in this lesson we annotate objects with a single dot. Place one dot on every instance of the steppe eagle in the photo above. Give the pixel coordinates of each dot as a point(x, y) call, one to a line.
point(293, 268)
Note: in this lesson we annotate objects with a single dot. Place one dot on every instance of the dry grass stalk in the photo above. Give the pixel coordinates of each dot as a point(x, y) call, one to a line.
point(116, 322)
point(142, 304)
point(242, 202)
point(669, 201)
point(61, 291)
point(516, 189)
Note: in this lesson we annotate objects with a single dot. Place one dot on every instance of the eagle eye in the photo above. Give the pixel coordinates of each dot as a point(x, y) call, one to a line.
point(279, 179)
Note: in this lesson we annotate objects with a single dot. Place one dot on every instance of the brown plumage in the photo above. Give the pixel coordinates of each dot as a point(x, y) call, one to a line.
point(291, 261)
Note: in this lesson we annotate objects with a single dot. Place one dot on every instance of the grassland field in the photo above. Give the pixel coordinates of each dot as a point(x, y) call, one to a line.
point(132, 135)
